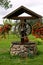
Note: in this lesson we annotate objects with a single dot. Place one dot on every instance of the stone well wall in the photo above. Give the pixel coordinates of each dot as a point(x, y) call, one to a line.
point(24, 49)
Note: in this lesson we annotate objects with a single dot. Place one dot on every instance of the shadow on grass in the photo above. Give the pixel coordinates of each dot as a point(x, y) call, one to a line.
point(7, 55)
point(40, 53)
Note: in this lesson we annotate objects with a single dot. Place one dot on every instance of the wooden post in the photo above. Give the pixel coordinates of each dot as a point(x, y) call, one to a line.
point(24, 37)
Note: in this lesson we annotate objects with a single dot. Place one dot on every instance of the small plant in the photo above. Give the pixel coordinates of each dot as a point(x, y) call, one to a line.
point(38, 41)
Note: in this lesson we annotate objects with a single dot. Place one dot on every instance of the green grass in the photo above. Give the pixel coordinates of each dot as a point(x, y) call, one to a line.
point(7, 59)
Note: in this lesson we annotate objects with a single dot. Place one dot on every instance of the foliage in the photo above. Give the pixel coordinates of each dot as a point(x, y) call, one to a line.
point(32, 21)
point(7, 21)
point(5, 3)
point(5, 30)
point(38, 41)
point(37, 30)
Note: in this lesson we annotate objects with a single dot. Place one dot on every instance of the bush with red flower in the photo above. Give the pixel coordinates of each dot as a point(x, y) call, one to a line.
point(37, 30)
point(5, 30)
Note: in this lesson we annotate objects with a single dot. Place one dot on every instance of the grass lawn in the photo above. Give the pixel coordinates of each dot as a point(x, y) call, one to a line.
point(6, 59)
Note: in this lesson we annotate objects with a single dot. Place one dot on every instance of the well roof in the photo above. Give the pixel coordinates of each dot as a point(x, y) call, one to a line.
point(14, 14)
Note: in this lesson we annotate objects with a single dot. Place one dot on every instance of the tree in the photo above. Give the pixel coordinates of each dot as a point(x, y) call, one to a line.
point(5, 3)
point(7, 21)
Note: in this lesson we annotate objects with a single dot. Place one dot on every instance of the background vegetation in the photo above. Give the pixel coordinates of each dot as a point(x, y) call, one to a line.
point(5, 3)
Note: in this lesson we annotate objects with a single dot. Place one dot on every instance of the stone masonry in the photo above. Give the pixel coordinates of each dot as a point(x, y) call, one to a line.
point(23, 50)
